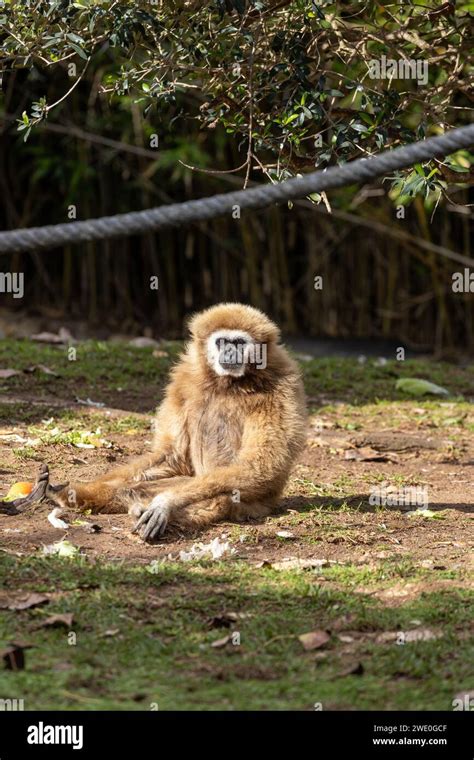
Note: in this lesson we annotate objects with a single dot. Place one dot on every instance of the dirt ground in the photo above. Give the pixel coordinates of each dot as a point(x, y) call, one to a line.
point(351, 530)
point(334, 564)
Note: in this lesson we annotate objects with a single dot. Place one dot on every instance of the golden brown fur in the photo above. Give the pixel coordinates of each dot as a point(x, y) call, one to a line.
point(224, 445)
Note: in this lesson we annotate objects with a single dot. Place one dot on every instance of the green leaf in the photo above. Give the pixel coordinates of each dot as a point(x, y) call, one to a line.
point(427, 514)
point(74, 38)
point(79, 51)
point(61, 549)
point(417, 387)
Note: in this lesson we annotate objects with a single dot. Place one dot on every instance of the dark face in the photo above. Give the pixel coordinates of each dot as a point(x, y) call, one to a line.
point(231, 352)
point(228, 352)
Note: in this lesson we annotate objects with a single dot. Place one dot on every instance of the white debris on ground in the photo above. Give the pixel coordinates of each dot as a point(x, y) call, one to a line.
point(56, 522)
point(216, 549)
point(88, 402)
point(61, 549)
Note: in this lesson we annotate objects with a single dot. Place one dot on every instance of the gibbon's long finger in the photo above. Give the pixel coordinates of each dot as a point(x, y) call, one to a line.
point(141, 521)
point(155, 519)
point(152, 523)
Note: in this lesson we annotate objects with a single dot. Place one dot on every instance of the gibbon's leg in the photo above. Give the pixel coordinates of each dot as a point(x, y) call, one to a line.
point(248, 483)
point(113, 491)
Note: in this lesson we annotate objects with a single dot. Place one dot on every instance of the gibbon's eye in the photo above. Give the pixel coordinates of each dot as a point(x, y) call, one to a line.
point(220, 342)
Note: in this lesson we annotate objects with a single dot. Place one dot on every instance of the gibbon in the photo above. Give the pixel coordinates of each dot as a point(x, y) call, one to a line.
point(227, 433)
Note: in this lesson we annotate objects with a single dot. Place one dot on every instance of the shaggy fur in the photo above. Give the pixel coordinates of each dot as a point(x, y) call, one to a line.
point(224, 444)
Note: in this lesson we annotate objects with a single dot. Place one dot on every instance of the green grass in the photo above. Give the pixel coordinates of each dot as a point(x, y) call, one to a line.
point(336, 377)
point(121, 366)
point(117, 365)
point(162, 650)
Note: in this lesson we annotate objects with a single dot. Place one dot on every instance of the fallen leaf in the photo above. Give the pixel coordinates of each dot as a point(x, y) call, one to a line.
point(63, 336)
point(6, 373)
point(367, 454)
point(42, 368)
point(314, 639)
point(285, 534)
point(62, 549)
point(356, 669)
point(55, 621)
point(24, 602)
point(219, 643)
point(294, 563)
point(13, 437)
point(426, 513)
point(416, 387)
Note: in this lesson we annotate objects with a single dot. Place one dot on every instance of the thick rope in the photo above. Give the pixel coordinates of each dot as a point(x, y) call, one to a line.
point(178, 214)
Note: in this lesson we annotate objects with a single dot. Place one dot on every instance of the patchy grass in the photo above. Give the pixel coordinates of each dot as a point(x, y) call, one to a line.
point(119, 367)
point(99, 370)
point(144, 638)
point(336, 377)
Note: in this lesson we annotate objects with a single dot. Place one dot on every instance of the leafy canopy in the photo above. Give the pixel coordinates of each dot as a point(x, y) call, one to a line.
point(298, 83)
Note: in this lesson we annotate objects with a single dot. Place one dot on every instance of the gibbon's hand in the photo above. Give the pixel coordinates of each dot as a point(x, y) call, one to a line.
point(153, 522)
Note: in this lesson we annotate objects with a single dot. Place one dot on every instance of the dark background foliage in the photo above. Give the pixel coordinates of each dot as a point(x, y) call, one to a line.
point(247, 92)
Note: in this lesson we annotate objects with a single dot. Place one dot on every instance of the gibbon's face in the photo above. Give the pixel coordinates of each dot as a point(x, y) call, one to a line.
point(233, 338)
point(229, 352)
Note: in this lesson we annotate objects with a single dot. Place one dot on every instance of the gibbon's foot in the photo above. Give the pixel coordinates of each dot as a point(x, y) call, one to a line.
point(40, 490)
point(154, 520)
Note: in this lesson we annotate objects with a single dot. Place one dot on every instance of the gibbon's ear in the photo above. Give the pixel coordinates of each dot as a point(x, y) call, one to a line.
point(193, 326)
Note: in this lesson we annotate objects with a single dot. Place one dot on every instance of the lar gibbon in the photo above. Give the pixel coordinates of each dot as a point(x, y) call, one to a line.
point(227, 433)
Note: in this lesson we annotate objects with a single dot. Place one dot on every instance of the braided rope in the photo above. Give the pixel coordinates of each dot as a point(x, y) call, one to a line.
point(139, 222)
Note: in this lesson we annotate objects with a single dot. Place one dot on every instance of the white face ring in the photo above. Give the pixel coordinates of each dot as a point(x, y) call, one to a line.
point(235, 355)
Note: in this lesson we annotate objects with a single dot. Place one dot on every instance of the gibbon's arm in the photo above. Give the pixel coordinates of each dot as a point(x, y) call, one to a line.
point(109, 492)
point(261, 468)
